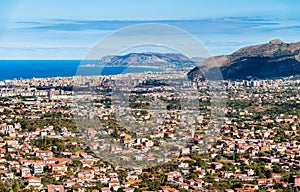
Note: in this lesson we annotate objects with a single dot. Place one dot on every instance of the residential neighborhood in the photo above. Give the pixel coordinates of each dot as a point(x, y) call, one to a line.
point(50, 141)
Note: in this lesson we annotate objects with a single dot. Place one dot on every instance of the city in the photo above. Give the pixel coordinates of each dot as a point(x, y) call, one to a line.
point(149, 96)
point(257, 146)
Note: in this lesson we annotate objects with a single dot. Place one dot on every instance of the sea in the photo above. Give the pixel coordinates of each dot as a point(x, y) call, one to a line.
point(24, 69)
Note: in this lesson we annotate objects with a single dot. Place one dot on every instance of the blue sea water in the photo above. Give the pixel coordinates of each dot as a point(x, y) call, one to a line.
point(11, 69)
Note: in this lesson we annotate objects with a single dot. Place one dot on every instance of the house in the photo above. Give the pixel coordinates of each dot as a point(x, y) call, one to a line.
point(10, 175)
point(226, 174)
point(44, 153)
point(201, 172)
point(173, 175)
point(297, 181)
point(35, 182)
point(57, 167)
point(112, 175)
point(216, 165)
point(37, 169)
point(11, 143)
point(55, 188)
point(183, 165)
point(250, 187)
point(86, 174)
point(79, 188)
point(87, 163)
point(263, 181)
point(126, 184)
point(50, 161)
point(128, 189)
point(250, 172)
point(25, 172)
point(185, 151)
point(69, 183)
point(115, 185)
point(271, 190)
point(2, 160)
point(167, 189)
point(243, 190)
point(2, 166)
point(105, 189)
point(184, 186)
point(137, 170)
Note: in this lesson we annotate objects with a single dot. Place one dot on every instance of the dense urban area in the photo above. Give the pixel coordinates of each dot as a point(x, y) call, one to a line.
point(255, 146)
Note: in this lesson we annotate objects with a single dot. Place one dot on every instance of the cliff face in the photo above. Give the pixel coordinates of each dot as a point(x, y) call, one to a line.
point(273, 59)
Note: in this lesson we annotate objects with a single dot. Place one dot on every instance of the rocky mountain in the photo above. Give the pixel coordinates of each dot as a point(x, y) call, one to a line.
point(273, 59)
point(149, 59)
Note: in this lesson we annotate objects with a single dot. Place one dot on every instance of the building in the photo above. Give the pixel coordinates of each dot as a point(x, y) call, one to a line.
point(44, 153)
point(55, 188)
point(37, 169)
point(35, 182)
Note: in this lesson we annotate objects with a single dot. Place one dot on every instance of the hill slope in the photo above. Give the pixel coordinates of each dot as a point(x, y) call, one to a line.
point(273, 59)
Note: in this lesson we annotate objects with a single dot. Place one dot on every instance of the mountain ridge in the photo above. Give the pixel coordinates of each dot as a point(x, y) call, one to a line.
point(273, 59)
point(149, 58)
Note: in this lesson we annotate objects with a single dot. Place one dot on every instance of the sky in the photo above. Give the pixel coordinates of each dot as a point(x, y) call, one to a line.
point(55, 29)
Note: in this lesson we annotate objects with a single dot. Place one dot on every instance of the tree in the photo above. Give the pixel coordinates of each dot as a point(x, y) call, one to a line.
point(200, 163)
point(76, 162)
point(122, 174)
point(268, 173)
point(217, 158)
point(193, 176)
point(277, 168)
point(99, 185)
point(237, 156)
point(31, 189)
point(209, 178)
point(16, 186)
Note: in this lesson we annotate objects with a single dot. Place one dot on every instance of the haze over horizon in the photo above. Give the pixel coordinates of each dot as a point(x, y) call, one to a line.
point(44, 30)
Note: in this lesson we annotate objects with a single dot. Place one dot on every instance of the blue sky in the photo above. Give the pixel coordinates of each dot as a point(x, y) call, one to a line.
point(56, 29)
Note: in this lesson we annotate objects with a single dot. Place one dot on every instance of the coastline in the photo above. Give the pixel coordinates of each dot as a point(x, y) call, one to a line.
point(28, 69)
